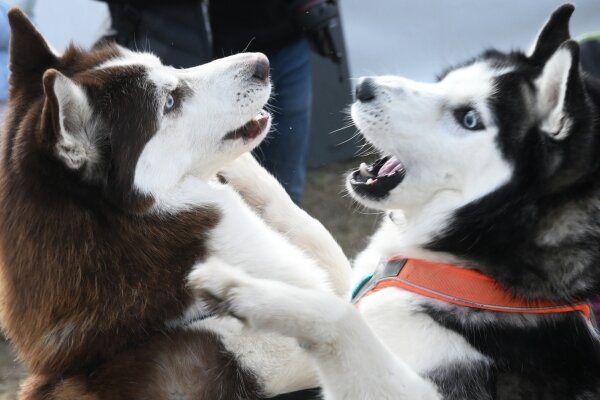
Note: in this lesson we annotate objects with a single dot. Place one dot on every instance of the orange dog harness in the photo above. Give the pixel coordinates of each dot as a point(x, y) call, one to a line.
point(455, 285)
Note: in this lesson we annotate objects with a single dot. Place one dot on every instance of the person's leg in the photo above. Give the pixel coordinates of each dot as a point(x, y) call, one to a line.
point(284, 152)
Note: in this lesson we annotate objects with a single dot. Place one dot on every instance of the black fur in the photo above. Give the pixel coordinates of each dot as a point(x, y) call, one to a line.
point(555, 32)
point(476, 381)
point(543, 357)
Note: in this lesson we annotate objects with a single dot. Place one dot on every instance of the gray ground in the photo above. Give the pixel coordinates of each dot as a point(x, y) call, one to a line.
point(325, 199)
point(10, 373)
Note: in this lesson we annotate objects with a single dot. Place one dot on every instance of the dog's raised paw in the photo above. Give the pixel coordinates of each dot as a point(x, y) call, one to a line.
point(212, 282)
point(256, 186)
point(268, 305)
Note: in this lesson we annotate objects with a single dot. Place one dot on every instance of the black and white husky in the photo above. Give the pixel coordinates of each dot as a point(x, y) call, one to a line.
point(494, 168)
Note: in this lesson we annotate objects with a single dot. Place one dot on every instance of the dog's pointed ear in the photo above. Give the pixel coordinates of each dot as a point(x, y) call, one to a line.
point(72, 121)
point(559, 90)
point(553, 34)
point(30, 54)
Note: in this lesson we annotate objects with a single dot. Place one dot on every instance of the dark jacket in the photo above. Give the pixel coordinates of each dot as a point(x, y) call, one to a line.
point(255, 25)
point(177, 31)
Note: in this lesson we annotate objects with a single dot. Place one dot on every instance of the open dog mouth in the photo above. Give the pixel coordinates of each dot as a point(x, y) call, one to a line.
point(251, 129)
point(378, 179)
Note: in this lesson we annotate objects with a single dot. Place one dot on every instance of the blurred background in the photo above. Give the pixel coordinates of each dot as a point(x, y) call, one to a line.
point(417, 39)
point(413, 38)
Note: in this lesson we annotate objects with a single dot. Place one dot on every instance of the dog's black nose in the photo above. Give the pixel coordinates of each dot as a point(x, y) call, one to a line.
point(365, 90)
point(261, 69)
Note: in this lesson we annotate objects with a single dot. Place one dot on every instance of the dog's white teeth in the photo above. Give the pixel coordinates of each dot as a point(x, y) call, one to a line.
point(371, 181)
point(364, 171)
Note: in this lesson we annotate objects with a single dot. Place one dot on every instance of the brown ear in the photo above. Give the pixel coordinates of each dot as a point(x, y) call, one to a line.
point(71, 116)
point(30, 55)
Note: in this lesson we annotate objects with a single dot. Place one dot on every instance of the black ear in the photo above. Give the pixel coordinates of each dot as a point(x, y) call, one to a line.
point(553, 34)
point(30, 55)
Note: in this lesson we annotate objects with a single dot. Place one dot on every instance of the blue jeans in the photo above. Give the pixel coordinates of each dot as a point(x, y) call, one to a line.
point(285, 150)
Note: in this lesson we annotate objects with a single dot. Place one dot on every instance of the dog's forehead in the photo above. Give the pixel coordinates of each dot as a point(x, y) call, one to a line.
point(475, 81)
point(479, 71)
point(161, 76)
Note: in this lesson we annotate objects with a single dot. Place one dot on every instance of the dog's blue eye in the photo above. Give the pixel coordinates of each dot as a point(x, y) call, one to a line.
point(170, 103)
point(469, 119)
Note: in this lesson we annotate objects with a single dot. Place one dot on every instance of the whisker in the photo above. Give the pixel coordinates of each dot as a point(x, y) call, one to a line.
point(248, 45)
point(354, 136)
point(342, 128)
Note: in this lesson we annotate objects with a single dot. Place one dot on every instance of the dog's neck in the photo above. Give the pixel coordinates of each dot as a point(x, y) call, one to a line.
point(408, 237)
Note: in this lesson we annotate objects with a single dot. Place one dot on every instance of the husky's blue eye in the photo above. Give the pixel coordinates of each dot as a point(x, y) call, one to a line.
point(170, 103)
point(469, 119)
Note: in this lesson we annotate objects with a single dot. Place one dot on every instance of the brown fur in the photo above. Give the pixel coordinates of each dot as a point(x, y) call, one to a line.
point(87, 280)
point(171, 366)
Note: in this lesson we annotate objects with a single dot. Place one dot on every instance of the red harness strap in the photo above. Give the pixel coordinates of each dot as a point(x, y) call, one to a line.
point(463, 287)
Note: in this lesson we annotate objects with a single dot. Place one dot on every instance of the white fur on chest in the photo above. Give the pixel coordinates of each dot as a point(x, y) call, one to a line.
point(394, 316)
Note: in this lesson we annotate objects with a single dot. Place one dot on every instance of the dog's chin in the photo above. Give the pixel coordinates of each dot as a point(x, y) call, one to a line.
point(371, 184)
point(252, 133)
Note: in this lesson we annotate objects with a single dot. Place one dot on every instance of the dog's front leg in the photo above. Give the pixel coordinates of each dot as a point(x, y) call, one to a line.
point(243, 240)
point(268, 198)
point(351, 362)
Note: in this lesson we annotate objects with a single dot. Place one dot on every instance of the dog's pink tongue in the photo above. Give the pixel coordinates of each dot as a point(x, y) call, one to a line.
point(390, 166)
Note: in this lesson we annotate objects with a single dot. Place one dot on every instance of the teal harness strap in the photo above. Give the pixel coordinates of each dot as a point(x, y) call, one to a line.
point(360, 284)
point(384, 270)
